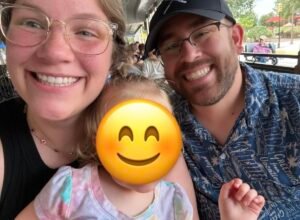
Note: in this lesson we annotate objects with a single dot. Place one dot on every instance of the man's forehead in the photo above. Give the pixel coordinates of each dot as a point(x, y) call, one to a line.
point(186, 20)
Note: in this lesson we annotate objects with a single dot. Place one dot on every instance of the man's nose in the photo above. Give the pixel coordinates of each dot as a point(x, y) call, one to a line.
point(189, 51)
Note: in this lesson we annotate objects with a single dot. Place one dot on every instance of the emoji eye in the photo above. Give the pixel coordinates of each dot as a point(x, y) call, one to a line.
point(125, 131)
point(151, 131)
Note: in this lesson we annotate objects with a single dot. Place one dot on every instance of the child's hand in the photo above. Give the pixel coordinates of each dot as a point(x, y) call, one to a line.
point(237, 201)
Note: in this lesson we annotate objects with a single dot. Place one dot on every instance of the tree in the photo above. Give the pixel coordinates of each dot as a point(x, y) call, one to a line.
point(255, 32)
point(289, 7)
point(243, 12)
point(263, 19)
point(240, 7)
point(248, 20)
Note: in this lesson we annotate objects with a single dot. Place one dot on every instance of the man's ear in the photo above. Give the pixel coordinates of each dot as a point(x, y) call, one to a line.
point(238, 37)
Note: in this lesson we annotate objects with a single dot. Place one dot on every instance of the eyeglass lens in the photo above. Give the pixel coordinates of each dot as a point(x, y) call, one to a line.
point(197, 38)
point(25, 26)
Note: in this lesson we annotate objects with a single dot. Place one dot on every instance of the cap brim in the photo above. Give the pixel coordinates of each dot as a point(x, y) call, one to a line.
point(151, 42)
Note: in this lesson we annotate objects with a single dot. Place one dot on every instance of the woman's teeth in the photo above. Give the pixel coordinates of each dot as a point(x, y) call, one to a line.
point(56, 81)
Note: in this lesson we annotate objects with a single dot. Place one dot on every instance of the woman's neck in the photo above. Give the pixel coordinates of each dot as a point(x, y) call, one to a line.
point(58, 138)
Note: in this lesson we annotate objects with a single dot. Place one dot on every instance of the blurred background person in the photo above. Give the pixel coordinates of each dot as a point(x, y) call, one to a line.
point(153, 67)
point(262, 47)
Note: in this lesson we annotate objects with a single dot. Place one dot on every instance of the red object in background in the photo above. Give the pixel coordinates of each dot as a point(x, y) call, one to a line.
point(275, 19)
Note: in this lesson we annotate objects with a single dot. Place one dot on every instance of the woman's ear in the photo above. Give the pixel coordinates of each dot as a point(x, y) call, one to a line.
point(238, 37)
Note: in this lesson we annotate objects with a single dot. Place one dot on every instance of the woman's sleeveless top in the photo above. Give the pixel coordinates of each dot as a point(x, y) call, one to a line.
point(25, 173)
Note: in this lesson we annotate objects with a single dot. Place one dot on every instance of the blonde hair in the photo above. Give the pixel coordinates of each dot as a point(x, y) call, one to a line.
point(113, 9)
point(129, 86)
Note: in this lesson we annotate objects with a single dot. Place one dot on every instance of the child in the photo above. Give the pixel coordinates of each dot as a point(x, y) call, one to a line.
point(91, 192)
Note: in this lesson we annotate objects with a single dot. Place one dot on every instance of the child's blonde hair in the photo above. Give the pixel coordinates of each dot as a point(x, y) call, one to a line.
point(129, 87)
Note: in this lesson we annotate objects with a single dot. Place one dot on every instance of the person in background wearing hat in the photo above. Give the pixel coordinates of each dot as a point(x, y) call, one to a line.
point(237, 122)
point(262, 47)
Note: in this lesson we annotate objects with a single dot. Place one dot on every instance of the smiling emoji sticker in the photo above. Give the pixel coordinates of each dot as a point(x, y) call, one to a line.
point(138, 141)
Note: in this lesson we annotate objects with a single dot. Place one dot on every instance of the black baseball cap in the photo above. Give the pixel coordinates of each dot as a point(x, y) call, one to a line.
point(212, 9)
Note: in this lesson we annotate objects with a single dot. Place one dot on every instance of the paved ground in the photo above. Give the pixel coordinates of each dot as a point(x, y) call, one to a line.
point(286, 47)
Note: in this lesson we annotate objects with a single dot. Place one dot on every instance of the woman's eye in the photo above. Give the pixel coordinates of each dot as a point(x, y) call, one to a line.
point(85, 33)
point(89, 34)
point(32, 24)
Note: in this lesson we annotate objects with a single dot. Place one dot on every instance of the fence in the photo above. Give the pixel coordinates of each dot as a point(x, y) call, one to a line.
point(276, 68)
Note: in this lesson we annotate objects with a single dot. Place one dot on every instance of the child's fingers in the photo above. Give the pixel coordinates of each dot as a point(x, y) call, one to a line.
point(257, 204)
point(229, 187)
point(237, 183)
point(242, 191)
point(225, 190)
point(260, 200)
point(249, 197)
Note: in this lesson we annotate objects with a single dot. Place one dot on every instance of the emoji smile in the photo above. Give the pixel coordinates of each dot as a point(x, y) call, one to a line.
point(138, 162)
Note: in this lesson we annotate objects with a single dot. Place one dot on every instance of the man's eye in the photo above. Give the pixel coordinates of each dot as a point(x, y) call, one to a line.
point(199, 34)
point(172, 46)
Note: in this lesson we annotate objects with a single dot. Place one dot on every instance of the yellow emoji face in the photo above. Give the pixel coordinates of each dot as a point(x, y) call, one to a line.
point(138, 141)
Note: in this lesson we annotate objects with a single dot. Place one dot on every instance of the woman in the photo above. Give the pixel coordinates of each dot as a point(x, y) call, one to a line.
point(58, 74)
point(58, 61)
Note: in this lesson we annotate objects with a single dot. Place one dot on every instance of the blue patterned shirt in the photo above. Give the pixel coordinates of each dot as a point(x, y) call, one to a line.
point(263, 148)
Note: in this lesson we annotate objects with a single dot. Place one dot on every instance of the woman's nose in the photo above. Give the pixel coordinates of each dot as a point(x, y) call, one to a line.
point(56, 47)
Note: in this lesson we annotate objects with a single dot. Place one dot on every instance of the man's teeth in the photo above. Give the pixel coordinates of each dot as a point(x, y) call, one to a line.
point(56, 81)
point(198, 74)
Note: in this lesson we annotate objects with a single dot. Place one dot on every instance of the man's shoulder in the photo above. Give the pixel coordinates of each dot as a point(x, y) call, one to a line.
point(178, 102)
point(283, 80)
point(274, 79)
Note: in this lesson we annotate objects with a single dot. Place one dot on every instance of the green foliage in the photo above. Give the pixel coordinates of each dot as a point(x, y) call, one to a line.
point(287, 31)
point(264, 18)
point(248, 21)
point(242, 11)
point(289, 7)
point(254, 33)
point(240, 8)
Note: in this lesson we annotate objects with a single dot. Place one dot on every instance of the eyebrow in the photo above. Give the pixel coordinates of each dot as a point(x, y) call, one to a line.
point(29, 5)
point(80, 15)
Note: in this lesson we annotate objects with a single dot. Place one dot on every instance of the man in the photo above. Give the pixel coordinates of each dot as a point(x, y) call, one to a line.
point(236, 121)
point(262, 47)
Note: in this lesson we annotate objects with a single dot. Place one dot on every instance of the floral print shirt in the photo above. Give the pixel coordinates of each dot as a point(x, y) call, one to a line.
point(263, 148)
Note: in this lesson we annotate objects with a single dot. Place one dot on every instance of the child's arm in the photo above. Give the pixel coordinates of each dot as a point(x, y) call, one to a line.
point(238, 201)
point(180, 174)
point(27, 213)
point(53, 201)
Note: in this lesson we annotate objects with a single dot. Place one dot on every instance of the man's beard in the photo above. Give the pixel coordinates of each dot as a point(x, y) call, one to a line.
point(225, 74)
point(225, 81)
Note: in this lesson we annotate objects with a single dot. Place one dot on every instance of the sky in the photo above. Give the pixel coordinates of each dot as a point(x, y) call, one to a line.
point(262, 7)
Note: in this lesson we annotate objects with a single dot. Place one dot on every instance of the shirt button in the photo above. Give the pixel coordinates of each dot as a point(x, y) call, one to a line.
point(222, 156)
